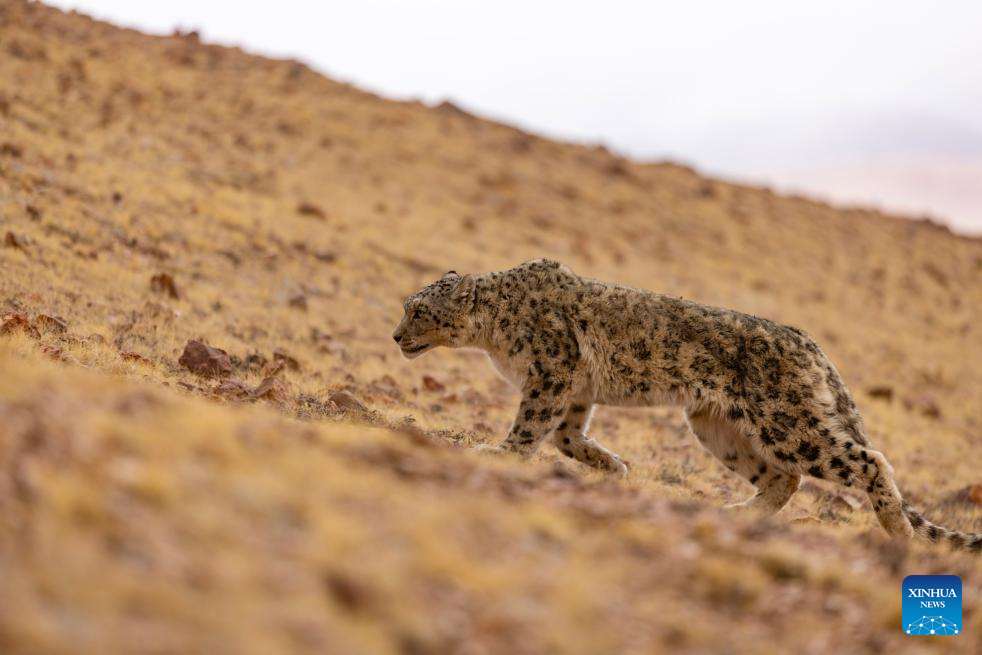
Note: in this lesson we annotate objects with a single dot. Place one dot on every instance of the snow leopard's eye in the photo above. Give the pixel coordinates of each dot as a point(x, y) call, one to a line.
point(416, 315)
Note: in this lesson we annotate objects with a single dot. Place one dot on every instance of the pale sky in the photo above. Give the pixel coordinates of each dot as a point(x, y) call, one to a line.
point(871, 102)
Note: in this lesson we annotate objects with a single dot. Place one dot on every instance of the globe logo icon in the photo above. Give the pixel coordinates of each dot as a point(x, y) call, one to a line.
point(932, 625)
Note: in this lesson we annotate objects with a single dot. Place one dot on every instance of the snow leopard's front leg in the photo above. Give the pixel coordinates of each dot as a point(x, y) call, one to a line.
point(571, 440)
point(545, 401)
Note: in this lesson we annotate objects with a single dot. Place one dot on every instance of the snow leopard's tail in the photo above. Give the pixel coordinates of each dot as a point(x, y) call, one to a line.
point(936, 533)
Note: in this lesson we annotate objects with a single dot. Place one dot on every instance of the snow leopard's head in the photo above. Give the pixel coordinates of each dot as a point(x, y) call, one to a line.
point(439, 314)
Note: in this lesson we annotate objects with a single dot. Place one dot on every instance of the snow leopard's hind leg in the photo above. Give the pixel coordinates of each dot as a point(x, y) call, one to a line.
point(826, 440)
point(853, 465)
point(724, 439)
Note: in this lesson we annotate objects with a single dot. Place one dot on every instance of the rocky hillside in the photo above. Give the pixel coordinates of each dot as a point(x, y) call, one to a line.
point(308, 490)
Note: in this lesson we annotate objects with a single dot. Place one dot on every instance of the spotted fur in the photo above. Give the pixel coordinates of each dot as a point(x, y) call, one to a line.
point(760, 396)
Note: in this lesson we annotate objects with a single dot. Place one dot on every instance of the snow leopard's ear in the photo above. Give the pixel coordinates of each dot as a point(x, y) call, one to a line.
point(464, 292)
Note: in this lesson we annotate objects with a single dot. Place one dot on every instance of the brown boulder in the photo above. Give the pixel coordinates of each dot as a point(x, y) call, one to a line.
point(204, 360)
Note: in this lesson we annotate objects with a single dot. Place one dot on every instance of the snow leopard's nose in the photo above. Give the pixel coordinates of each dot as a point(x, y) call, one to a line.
point(397, 337)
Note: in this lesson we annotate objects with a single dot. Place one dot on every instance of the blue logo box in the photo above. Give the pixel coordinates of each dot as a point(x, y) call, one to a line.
point(932, 605)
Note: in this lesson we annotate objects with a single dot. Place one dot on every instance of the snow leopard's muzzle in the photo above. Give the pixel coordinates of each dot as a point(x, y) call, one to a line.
point(410, 345)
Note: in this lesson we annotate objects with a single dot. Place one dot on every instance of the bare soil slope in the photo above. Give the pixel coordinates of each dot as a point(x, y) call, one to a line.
point(313, 493)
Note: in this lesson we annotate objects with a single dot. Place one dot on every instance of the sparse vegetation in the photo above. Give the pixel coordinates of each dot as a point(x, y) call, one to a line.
point(315, 492)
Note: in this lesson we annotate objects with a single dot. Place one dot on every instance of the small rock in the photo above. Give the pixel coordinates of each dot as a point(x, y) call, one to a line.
point(233, 389)
point(924, 404)
point(388, 381)
point(882, 392)
point(310, 209)
point(971, 494)
point(270, 389)
point(11, 323)
point(50, 324)
point(347, 592)
point(347, 401)
point(54, 352)
point(273, 368)
point(131, 356)
point(10, 150)
point(299, 301)
point(287, 360)
point(202, 359)
point(18, 242)
point(430, 383)
point(253, 362)
point(164, 283)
